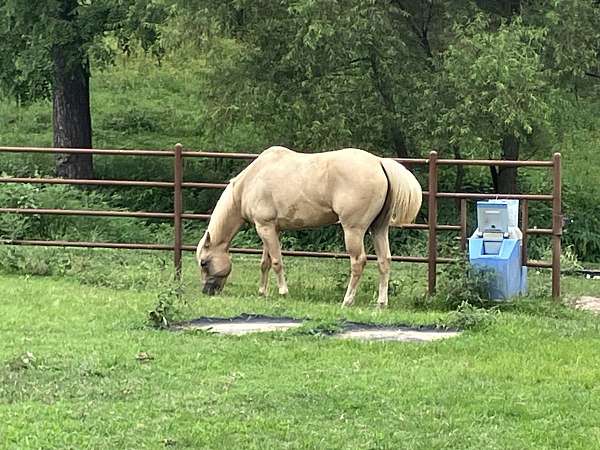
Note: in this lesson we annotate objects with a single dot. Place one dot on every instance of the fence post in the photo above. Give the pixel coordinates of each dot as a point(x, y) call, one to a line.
point(524, 228)
point(432, 223)
point(177, 208)
point(557, 225)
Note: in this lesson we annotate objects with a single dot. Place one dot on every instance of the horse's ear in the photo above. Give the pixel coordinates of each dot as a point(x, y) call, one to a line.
point(207, 240)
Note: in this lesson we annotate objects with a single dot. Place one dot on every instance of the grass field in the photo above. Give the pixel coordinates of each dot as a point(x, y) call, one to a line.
point(100, 377)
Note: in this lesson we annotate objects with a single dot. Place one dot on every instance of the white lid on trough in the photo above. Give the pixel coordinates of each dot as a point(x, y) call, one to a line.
point(497, 219)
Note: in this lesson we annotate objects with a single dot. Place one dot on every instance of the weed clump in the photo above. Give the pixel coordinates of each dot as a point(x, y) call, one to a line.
point(462, 284)
point(166, 307)
point(318, 328)
point(469, 317)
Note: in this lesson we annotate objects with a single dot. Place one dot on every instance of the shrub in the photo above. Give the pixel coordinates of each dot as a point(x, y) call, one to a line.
point(462, 284)
point(29, 261)
point(569, 261)
point(470, 317)
point(583, 231)
point(14, 226)
point(50, 227)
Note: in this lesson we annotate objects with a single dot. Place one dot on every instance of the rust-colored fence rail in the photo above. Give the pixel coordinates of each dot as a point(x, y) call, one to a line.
point(177, 216)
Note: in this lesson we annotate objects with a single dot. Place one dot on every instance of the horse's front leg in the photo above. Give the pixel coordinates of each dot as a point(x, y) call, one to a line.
point(265, 266)
point(270, 237)
point(354, 238)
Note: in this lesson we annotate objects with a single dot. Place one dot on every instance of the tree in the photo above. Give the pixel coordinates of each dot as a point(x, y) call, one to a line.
point(488, 93)
point(479, 79)
point(505, 76)
point(46, 49)
point(321, 74)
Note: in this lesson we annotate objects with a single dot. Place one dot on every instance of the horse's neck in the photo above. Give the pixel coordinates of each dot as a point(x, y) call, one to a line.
point(226, 219)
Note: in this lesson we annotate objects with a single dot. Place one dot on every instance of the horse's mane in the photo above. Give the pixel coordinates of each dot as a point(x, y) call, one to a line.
point(225, 206)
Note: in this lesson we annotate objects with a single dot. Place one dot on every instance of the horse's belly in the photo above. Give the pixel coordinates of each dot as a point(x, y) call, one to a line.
point(296, 218)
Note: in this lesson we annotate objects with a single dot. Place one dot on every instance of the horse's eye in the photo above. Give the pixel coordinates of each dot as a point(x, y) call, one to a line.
point(204, 263)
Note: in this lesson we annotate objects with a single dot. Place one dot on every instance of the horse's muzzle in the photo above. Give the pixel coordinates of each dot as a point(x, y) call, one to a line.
point(211, 288)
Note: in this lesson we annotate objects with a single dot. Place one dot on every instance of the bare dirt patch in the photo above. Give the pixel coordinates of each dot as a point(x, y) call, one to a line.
point(588, 303)
point(244, 324)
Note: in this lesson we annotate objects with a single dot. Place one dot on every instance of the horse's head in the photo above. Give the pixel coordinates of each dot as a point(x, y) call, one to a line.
point(215, 265)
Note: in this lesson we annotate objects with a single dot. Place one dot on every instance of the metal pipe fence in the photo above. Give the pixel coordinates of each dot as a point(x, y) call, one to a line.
point(178, 215)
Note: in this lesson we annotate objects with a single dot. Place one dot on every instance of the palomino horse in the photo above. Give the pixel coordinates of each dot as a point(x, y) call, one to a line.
point(283, 190)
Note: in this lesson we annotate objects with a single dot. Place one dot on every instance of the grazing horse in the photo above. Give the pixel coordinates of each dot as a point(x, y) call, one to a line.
point(285, 190)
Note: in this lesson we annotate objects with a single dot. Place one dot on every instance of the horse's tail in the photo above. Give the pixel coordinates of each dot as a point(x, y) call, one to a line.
point(403, 198)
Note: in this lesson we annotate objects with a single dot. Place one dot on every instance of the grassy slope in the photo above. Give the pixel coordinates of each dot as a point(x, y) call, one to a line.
point(135, 104)
point(527, 381)
point(139, 104)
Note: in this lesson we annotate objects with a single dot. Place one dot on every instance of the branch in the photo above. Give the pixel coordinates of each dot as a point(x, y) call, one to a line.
point(341, 71)
point(381, 84)
point(421, 31)
point(593, 75)
point(425, 35)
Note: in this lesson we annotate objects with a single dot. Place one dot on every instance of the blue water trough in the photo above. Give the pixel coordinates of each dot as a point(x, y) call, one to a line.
point(496, 247)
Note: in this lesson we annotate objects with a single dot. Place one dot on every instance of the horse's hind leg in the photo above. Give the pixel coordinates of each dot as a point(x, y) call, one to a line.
point(265, 266)
point(355, 246)
point(384, 260)
point(270, 238)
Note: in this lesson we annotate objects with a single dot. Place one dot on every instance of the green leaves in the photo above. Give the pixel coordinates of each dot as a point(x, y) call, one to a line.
point(30, 30)
point(305, 71)
point(489, 84)
point(395, 77)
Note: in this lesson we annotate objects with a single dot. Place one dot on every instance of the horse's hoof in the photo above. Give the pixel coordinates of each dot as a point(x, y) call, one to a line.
point(382, 306)
point(283, 291)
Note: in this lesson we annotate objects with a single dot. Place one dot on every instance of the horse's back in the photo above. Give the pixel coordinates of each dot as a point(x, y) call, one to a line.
point(322, 174)
point(277, 151)
point(347, 163)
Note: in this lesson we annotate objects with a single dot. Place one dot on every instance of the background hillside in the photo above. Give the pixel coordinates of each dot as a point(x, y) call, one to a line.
point(228, 83)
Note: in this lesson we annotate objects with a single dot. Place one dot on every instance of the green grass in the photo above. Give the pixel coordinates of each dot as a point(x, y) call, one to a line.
point(528, 380)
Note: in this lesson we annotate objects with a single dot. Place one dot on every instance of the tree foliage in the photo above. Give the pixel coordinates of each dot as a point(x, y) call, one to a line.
point(487, 86)
point(29, 31)
point(398, 77)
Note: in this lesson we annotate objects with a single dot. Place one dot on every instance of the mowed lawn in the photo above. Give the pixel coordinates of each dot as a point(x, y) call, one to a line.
point(101, 378)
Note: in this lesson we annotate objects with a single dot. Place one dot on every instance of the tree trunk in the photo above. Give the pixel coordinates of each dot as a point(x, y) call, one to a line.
point(507, 176)
point(494, 173)
point(391, 124)
point(398, 140)
point(71, 117)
